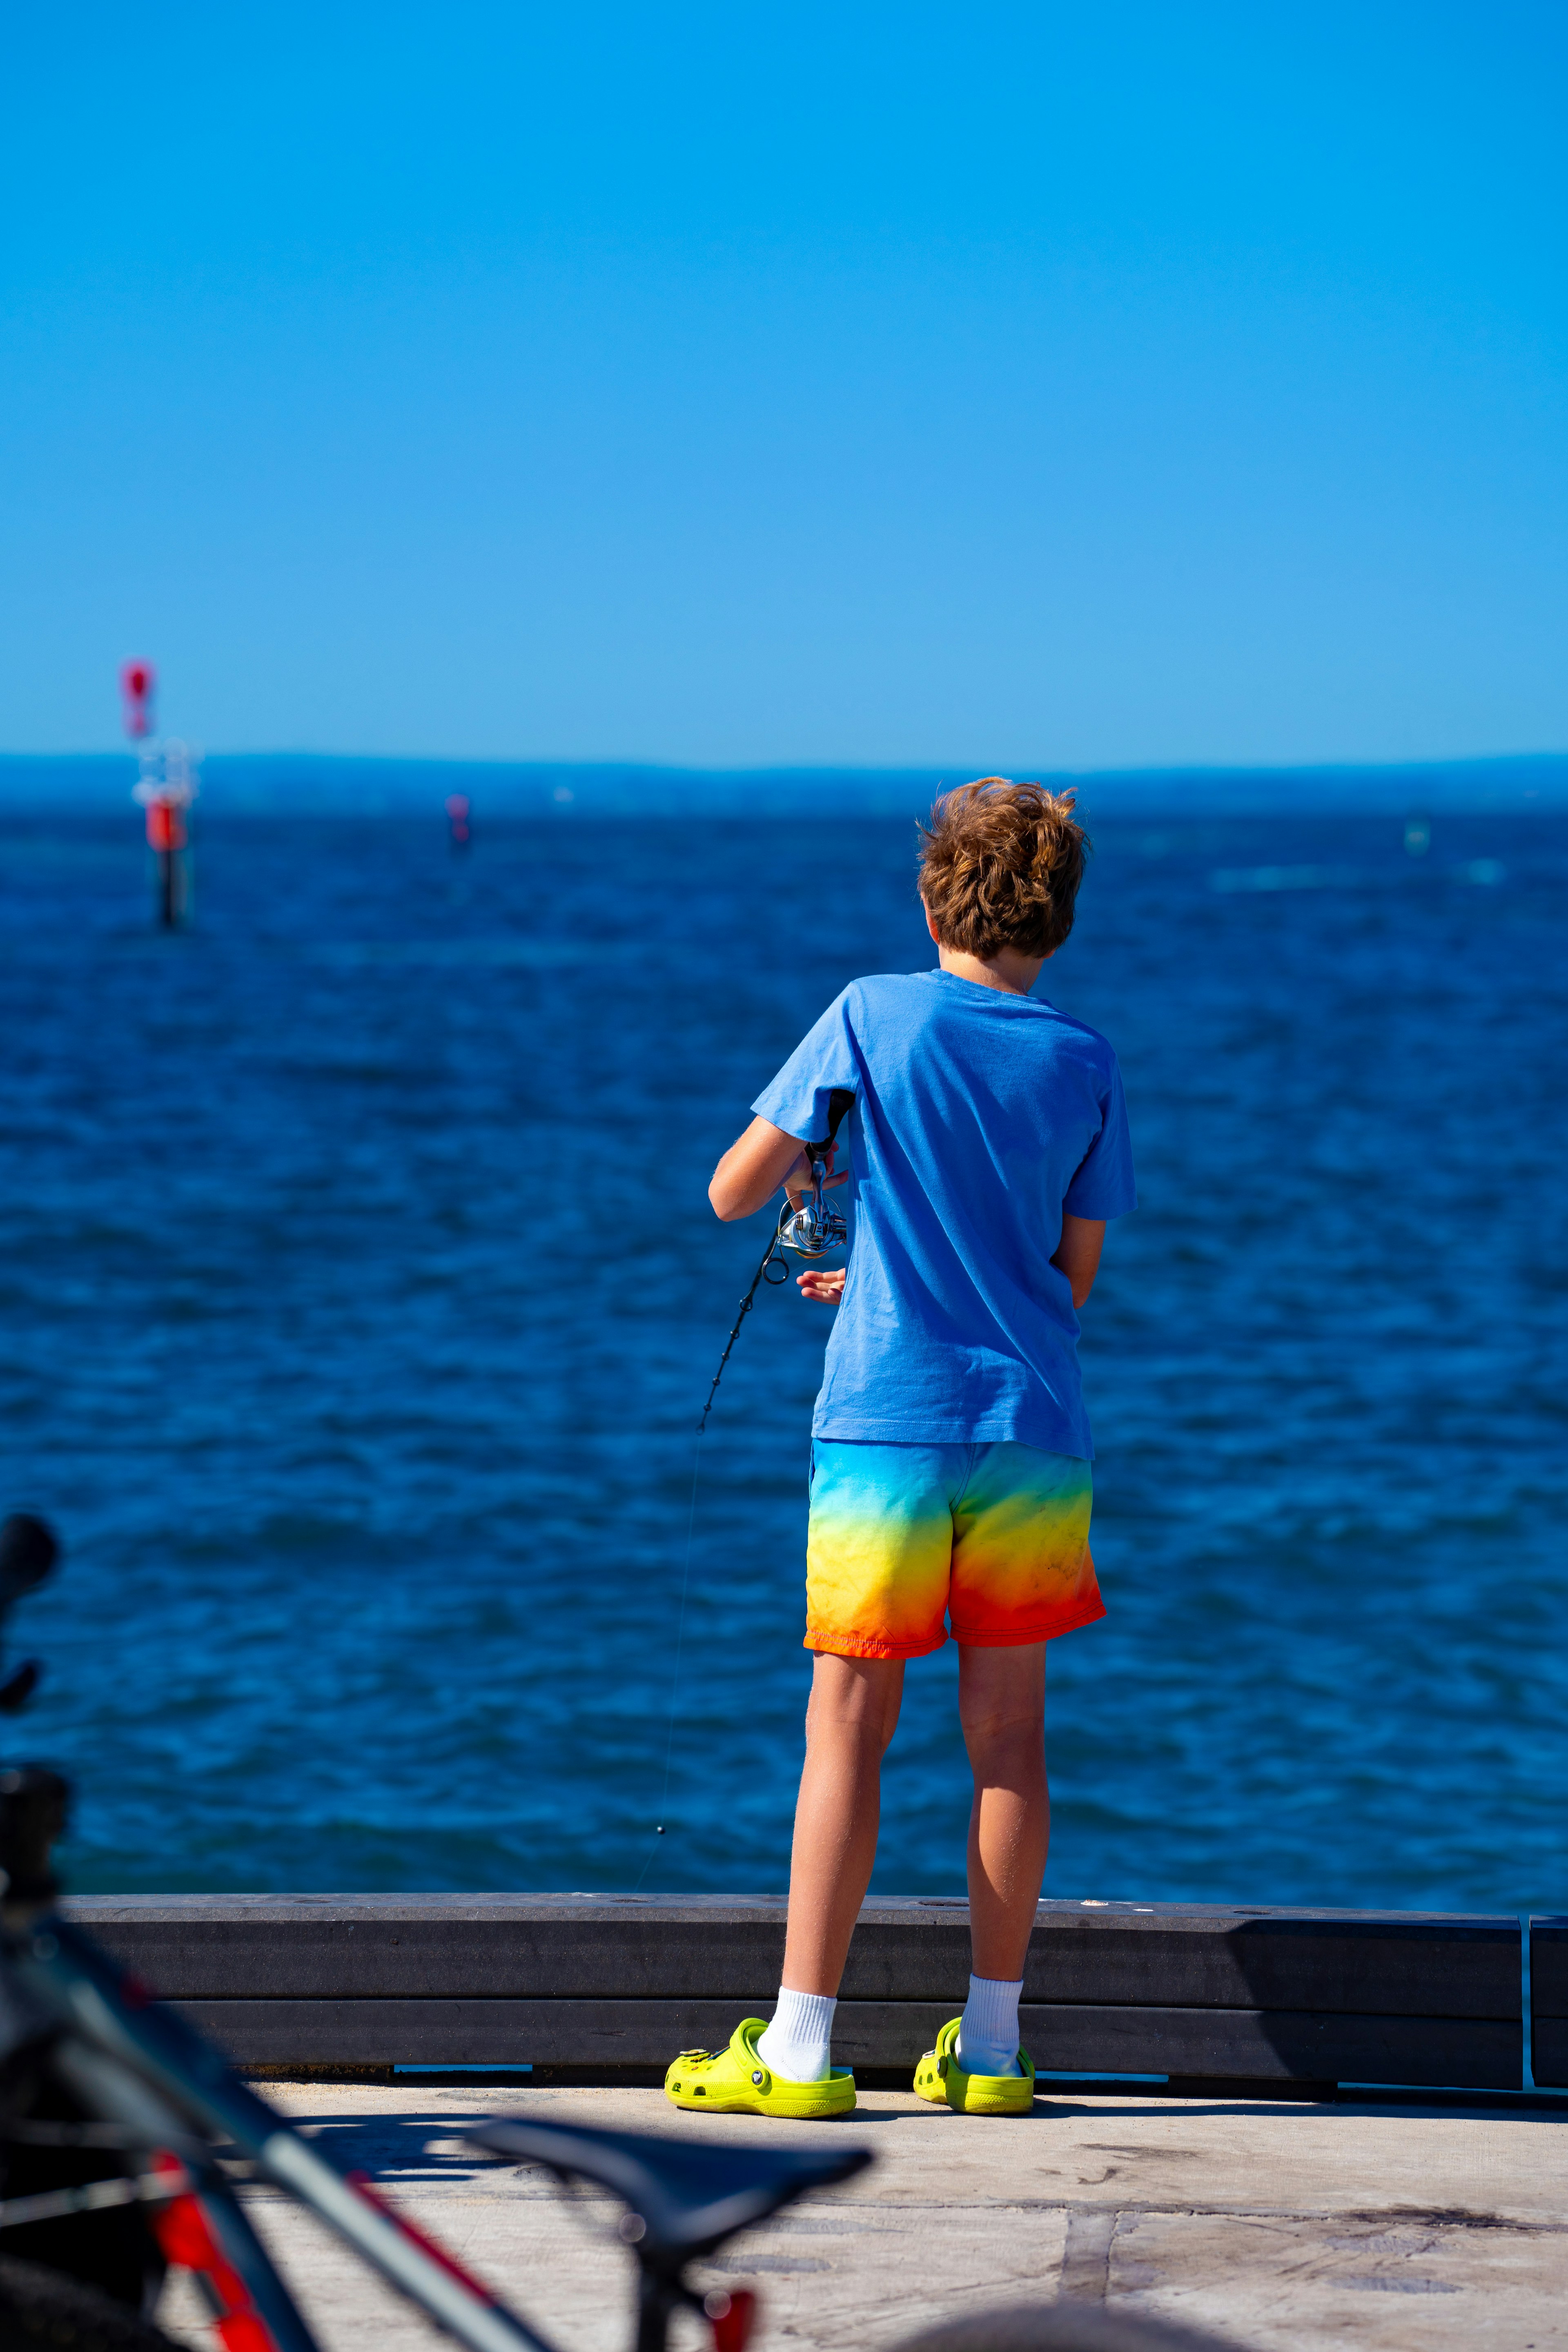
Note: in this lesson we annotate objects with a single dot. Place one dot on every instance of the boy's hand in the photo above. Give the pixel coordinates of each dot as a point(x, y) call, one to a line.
point(1078, 1255)
point(821, 1283)
point(799, 1180)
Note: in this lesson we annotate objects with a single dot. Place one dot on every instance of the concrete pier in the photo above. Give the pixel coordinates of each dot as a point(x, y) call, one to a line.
point(1268, 2224)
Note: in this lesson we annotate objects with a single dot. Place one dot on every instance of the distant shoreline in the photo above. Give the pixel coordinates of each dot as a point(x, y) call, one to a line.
point(339, 785)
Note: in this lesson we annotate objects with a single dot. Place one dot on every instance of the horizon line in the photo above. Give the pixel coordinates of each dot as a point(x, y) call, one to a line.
point(1272, 767)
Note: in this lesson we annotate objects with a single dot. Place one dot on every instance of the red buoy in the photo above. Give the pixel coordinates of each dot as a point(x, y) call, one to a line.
point(165, 825)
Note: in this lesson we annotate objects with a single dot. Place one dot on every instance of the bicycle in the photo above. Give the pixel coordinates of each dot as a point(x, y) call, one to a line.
point(125, 2138)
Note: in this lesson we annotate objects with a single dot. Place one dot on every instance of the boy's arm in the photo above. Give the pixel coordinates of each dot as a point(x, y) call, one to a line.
point(1077, 1255)
point(755, 1166)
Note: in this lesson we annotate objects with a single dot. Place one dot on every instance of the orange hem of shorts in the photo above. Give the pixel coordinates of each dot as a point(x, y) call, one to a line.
point(848, 1648)
point(851, 1649)
point(1022, 1641)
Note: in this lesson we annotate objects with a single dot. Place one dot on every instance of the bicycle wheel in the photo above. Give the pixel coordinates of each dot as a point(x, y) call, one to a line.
point(44, 2311)
point(1064, 2326)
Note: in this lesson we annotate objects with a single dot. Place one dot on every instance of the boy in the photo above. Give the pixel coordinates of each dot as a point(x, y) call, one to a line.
point(951, 1452)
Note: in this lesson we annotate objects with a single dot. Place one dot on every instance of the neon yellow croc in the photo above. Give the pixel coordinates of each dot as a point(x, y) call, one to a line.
point(734, 2081)
point(939, 2078)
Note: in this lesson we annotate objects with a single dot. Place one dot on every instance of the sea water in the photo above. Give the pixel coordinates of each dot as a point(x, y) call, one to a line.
point(361, 1293)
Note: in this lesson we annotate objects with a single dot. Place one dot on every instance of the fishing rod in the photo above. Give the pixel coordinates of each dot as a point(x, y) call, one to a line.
point(810, 1228)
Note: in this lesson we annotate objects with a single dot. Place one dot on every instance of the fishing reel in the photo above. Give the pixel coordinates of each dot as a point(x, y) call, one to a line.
point(810, 1228)
point(816, 1226)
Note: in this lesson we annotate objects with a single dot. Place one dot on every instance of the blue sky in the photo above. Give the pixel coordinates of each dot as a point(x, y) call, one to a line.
point(994, 386)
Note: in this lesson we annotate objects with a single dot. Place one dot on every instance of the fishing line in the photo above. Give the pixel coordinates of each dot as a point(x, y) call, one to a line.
point(679, 1645)
point(809, 1227)
point(771, 1256)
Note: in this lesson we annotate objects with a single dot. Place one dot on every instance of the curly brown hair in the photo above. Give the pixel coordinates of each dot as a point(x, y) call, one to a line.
point(1001, 866)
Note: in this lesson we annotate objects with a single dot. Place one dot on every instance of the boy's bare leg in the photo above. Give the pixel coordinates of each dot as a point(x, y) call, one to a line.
point(1002, 1707)
point(853, 1712)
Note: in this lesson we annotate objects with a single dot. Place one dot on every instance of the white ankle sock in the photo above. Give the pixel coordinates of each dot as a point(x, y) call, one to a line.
point(988, 2036)
point(798, 2043)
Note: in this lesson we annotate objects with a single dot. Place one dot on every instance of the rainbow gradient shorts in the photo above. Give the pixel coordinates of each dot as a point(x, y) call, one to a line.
point(906, 1540)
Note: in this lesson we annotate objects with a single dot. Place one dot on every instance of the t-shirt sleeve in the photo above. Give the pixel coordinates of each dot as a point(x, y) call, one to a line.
point(797, 1099)
point(1103, 1186)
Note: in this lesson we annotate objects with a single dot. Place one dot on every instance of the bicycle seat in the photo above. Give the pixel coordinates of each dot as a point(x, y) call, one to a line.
point(690, 2195)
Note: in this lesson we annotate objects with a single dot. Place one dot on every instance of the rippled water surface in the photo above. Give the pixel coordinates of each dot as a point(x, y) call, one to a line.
point(361, 1293)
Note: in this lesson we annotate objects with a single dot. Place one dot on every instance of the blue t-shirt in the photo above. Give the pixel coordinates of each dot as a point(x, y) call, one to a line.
point(979, 1118)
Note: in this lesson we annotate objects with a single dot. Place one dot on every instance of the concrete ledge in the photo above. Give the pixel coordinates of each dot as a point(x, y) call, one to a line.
point(510, 1947)
point(1217, 1991)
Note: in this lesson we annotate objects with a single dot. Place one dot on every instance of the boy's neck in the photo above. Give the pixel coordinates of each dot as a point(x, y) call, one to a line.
point(1008, 970)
